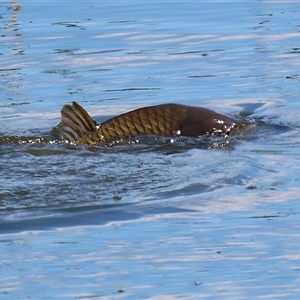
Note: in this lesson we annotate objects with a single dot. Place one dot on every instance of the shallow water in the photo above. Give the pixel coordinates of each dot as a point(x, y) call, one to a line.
point(157, 218)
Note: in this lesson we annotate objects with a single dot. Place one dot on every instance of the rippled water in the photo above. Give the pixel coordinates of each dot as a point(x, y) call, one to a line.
point(157, 219)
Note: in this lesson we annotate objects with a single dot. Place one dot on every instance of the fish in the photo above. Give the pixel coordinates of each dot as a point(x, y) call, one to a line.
point(167, 120)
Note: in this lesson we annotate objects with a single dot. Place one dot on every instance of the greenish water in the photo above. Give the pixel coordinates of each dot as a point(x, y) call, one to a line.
point(156, 219)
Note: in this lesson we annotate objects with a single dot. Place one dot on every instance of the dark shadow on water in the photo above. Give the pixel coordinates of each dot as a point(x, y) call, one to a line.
point(46, 219)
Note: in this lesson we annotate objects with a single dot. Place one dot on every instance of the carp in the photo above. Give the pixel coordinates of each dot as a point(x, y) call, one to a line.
point(168, 120)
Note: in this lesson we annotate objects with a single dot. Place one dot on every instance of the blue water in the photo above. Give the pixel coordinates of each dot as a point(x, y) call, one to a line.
point(143, 220)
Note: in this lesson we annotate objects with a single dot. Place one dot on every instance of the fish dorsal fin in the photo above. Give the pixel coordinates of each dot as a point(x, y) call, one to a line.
point(75, 122)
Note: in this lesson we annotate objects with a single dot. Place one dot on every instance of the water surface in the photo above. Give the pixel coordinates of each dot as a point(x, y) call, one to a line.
point(156, 219)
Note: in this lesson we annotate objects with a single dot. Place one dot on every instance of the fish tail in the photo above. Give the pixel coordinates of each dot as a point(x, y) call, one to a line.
point(75, 122)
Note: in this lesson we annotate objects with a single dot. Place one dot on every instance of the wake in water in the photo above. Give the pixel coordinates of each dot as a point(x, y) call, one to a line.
point(171, 127)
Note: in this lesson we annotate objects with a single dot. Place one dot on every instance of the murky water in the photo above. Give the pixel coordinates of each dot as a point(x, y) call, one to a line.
point(158, 219)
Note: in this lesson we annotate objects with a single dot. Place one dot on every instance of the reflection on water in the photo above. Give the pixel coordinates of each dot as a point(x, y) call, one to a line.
point(154, 219)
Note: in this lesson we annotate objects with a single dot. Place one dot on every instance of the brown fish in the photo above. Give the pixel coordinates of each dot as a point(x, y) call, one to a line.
point(168, 120)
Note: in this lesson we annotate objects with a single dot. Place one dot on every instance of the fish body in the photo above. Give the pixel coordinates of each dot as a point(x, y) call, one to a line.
point(168, 120)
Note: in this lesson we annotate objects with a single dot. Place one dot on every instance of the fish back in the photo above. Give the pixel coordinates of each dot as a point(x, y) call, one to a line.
point(161, 120)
